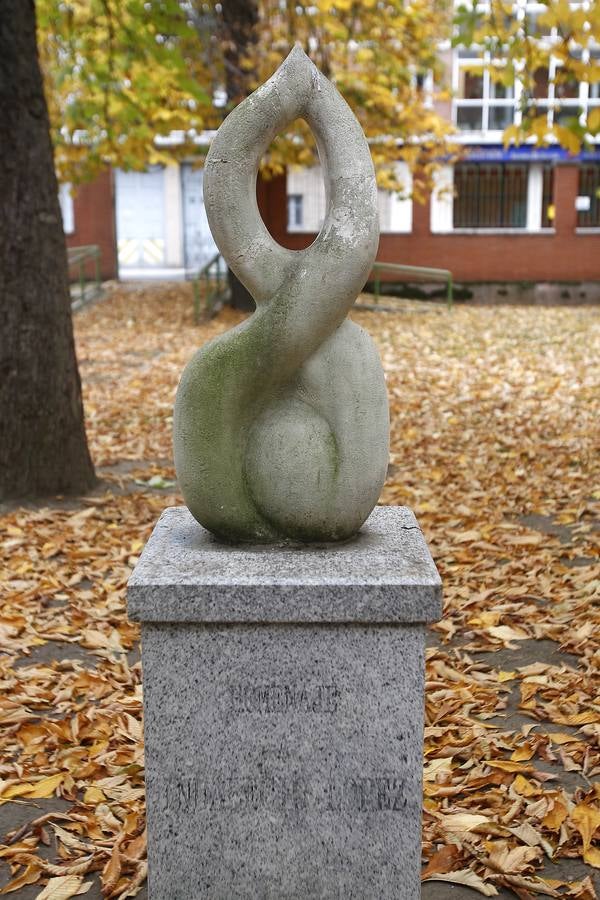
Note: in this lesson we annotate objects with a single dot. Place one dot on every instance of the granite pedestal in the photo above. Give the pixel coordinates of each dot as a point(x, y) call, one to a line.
point(283, 705)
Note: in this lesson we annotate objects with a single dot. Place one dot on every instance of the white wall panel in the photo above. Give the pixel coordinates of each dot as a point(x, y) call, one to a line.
point(395, 211)
point(442, 200)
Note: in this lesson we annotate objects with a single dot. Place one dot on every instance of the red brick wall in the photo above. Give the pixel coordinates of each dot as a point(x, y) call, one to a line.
point(94, 214)
point(562, 256)
point(271, 195)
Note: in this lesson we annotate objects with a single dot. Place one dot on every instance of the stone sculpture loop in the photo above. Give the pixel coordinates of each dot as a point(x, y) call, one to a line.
point(281, 424)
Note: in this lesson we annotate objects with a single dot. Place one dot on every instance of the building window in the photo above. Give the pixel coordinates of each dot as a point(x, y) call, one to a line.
point(534, 20)
point(501, 105)
point(482, 102)
point(469, 110)
point(548, 196)
point(307, 206)
point(65, 198)
point(490, 195)
point(589, 186)
point(295, 212)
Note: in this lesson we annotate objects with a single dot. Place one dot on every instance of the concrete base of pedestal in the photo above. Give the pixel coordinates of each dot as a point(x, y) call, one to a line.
point(283, 703)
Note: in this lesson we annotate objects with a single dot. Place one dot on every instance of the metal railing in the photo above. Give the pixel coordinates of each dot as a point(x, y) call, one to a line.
point(214, 276)
point(423, 272)
point(80, 257)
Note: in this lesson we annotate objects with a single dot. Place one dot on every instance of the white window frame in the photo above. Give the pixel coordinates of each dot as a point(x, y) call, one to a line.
point(442, 205)
point(583, 103)
point(298, 209)
point(441, 208)
point(396, 209)
point(486, 102)
point(67, 208)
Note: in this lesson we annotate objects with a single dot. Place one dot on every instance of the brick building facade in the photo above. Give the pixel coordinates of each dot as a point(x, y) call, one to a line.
point(564, 252)
point(496, 217)
point(89, 218)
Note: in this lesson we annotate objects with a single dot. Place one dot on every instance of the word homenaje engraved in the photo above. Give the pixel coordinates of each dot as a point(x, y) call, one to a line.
point(265, 699)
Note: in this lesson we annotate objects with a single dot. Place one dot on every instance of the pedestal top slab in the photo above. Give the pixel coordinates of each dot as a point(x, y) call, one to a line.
point(385, 575)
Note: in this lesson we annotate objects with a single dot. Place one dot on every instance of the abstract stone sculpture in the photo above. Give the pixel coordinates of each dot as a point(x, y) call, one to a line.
point(281, 424)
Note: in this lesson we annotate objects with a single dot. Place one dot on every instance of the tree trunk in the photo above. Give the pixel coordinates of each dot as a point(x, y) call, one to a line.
point(239, 297)
point(239, 19)
point(43, 447)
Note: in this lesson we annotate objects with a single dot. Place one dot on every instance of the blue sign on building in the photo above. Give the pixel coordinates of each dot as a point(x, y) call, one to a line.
point(528, 153)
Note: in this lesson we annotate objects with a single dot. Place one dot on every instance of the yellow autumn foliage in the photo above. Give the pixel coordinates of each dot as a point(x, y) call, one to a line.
point(132, 83)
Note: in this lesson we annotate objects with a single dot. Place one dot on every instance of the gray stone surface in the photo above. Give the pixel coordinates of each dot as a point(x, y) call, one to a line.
point(384, 574)
point(281, 425)
point(284, 739)
point(283, 761)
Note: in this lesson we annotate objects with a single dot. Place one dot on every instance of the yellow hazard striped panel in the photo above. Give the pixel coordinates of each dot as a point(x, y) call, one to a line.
point(146, 252)
point(153, 251)
point(129, 251)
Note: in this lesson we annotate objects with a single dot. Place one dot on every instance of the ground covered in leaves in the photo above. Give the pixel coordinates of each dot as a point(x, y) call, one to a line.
point(495, 445)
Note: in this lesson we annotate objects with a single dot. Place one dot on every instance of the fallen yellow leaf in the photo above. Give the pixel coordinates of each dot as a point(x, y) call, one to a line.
point(555, 816)
point(592, 857)
point(586, 820)
point(559, 737)
point(508, 765)
point(432, 769)
point(506, 676)
point(46, 787)
point(93, 795)
point(506, 633)
point(38, 790)
point(524, 787)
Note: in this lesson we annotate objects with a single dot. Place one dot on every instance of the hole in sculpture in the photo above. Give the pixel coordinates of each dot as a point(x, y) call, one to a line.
point(289, 189)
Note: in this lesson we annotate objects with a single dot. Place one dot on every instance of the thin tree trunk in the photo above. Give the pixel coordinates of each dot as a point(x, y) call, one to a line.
point(43, 447)
point(239, 20)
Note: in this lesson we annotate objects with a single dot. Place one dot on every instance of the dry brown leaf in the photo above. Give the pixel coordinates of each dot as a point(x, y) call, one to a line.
point(135, 883)
point(469, 879)
point(29, 876)
point(76, 868)
point(112, 872)
point(584, 890)
point(508, 765)
point(442, 861)
point(555, 816)
point(62, 888)
point(511, 861)
point(69, 840)
point(457, 822)
point(136, 848)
